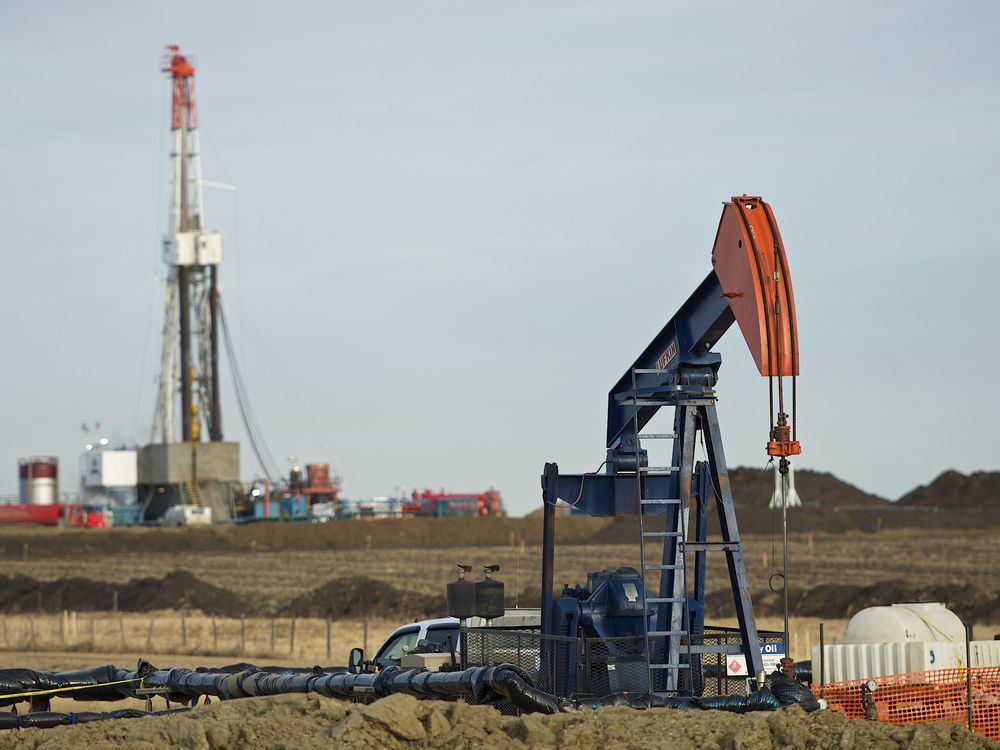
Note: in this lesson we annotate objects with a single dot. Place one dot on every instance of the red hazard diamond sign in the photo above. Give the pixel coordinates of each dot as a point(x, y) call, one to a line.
point(734, 666)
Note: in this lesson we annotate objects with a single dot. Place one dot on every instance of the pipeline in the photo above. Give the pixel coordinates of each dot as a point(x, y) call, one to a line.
point(782, 692)
point(185, 686)
point(103, 683)
point(47, 719)
point(480, 684)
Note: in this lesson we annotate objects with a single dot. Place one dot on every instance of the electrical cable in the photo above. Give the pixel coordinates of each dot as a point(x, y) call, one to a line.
point(753, 494)
point(779, 262)
point(783, 574)
point(718, 492)
point(264, 459)
point(283, 381)
point(292, 397)
point(795, 411)
point(143, 361)
point(254, 434)
point(244, 397)
point(777, 323)
point(784, 558)
point(767, 317)
point(781, 282)
point(579, 495)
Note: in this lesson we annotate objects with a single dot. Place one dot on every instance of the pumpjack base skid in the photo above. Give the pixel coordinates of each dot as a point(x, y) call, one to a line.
point(671, 499)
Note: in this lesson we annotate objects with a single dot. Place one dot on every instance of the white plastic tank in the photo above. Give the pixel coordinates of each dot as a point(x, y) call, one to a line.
point(902, 638)
point(905, 622)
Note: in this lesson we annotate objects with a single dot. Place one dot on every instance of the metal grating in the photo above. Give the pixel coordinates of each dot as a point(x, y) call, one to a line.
point(581, 668)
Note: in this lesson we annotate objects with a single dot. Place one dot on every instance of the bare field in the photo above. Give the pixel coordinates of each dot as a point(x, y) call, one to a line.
point(267, 579)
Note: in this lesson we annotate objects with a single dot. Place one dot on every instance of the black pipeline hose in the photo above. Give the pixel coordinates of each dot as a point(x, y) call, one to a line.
point(180, 685)
point(46, 719)
point(480, 684)
point(103, 683)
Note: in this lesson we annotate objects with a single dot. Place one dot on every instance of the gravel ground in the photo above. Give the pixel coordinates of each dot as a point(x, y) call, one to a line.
point(299, 721)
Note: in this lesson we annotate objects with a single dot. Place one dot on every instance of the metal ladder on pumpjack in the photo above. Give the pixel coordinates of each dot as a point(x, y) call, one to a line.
point(656, 649)
point(672, 636)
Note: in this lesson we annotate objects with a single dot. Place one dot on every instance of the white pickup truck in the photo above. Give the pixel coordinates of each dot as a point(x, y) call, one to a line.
point(187, 515)
point(405, 638)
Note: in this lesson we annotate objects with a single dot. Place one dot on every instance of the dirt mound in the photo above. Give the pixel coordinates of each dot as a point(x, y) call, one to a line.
point(178, 590)
point(833, 506)
point(972, 604)
point(952, 490)
point(826, 498)
point(401, 721)
point(354, 596)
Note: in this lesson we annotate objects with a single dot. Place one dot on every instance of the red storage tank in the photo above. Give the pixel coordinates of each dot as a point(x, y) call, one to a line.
point(39, 480)
point(319, 475)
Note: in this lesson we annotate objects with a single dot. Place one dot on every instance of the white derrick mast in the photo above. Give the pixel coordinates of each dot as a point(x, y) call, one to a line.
point(189, 377)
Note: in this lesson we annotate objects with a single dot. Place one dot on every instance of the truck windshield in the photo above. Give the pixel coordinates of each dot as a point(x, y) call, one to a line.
point(440, 635)
point(400, 644)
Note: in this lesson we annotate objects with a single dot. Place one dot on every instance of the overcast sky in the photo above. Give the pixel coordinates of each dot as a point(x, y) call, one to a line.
point(456, 224)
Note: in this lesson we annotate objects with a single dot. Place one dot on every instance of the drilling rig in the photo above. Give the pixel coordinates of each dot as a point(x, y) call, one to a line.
point(177, 468)
point(192, 255)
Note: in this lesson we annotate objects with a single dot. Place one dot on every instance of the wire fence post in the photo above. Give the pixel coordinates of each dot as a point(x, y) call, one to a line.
point(329, 639)
point(822, 657)
point(121, 629)
point(243, 633)
point(273, 629)
point(968, 673)
point(215, 635)
point(366, 634)
point(291, 640)
point(184, 630)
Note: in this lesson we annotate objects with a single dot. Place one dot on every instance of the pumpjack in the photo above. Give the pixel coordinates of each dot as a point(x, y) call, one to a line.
point(749, 284)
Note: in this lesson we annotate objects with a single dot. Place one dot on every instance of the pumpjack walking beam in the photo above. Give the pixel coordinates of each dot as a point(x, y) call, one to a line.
point(749, 284)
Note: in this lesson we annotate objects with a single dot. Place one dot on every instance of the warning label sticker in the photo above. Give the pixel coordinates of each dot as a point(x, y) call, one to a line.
point(771, 654)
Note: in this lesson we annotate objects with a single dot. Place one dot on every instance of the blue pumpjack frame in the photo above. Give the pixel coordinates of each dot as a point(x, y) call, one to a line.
point(676, 369)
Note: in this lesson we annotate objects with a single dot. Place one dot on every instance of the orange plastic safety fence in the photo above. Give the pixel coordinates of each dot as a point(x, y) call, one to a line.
point(919, 697)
